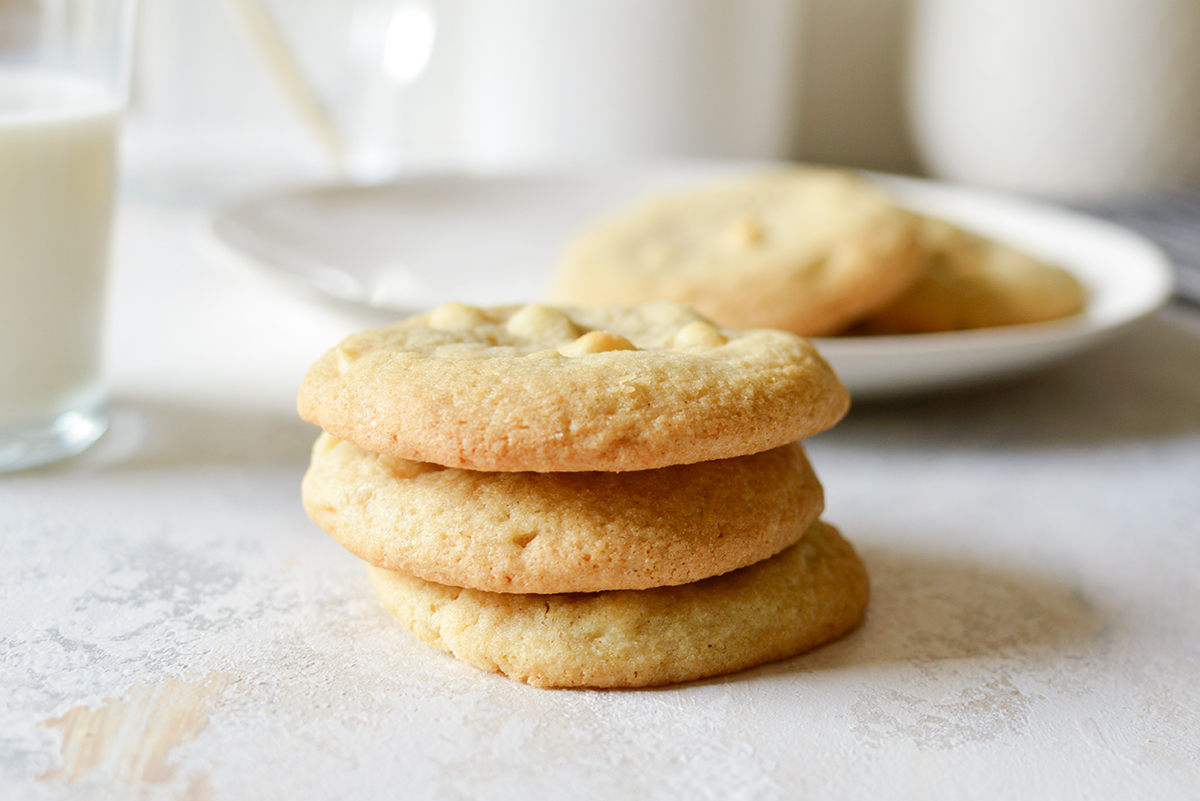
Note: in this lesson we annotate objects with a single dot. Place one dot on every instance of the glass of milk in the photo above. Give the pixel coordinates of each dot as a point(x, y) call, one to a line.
point(64, 76)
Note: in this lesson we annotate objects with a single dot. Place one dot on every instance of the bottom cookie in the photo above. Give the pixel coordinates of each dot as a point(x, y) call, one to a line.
point(806, 595)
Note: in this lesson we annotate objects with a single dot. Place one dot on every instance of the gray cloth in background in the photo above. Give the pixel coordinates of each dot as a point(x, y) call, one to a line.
point(1172, 220)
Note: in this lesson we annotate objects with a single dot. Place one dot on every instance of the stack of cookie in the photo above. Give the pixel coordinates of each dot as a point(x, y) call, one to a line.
point(602, 497)
point(817, 252)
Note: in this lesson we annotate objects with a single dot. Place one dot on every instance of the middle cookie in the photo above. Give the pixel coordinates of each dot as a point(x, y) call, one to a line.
point(561, 532)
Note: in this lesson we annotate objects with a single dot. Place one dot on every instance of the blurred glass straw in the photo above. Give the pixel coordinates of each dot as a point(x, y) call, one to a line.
point(273, 49)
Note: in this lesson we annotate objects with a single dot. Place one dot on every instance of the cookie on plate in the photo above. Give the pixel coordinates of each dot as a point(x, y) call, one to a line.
point(974, 282)
point(561, 532)
point(806, 250)
point(809, 594)
point(537, 388)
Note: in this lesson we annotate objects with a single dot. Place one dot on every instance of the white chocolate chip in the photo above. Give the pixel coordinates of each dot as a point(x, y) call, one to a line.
point(596, 342)
point(538, 322)
point(744, 233)
point(346, 357)
point(698, 335)
point(455, 317)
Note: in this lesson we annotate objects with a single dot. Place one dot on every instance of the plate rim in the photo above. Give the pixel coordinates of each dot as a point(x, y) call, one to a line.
point(1148, 262)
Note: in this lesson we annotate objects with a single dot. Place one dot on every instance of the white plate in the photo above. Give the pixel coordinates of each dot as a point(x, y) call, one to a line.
point(493, 240)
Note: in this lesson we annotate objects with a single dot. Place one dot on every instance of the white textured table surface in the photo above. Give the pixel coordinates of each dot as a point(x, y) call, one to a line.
point(172, 625)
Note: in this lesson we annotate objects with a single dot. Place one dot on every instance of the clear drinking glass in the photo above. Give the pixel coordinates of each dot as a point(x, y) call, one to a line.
point(64, 77)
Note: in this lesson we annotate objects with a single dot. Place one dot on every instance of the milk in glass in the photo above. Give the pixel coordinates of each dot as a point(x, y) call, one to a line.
point(57, 152)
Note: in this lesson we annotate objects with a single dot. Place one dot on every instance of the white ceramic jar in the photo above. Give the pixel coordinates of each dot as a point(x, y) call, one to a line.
point(1076, 99)
point(560, 81)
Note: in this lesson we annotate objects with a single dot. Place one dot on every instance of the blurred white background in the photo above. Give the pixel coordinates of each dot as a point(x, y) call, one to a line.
point(811, 79)
point(892, 85)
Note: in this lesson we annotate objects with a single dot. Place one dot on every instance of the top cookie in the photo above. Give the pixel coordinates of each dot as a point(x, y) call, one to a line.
point(809, 251)
point(563, 390)
point(973, 282)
